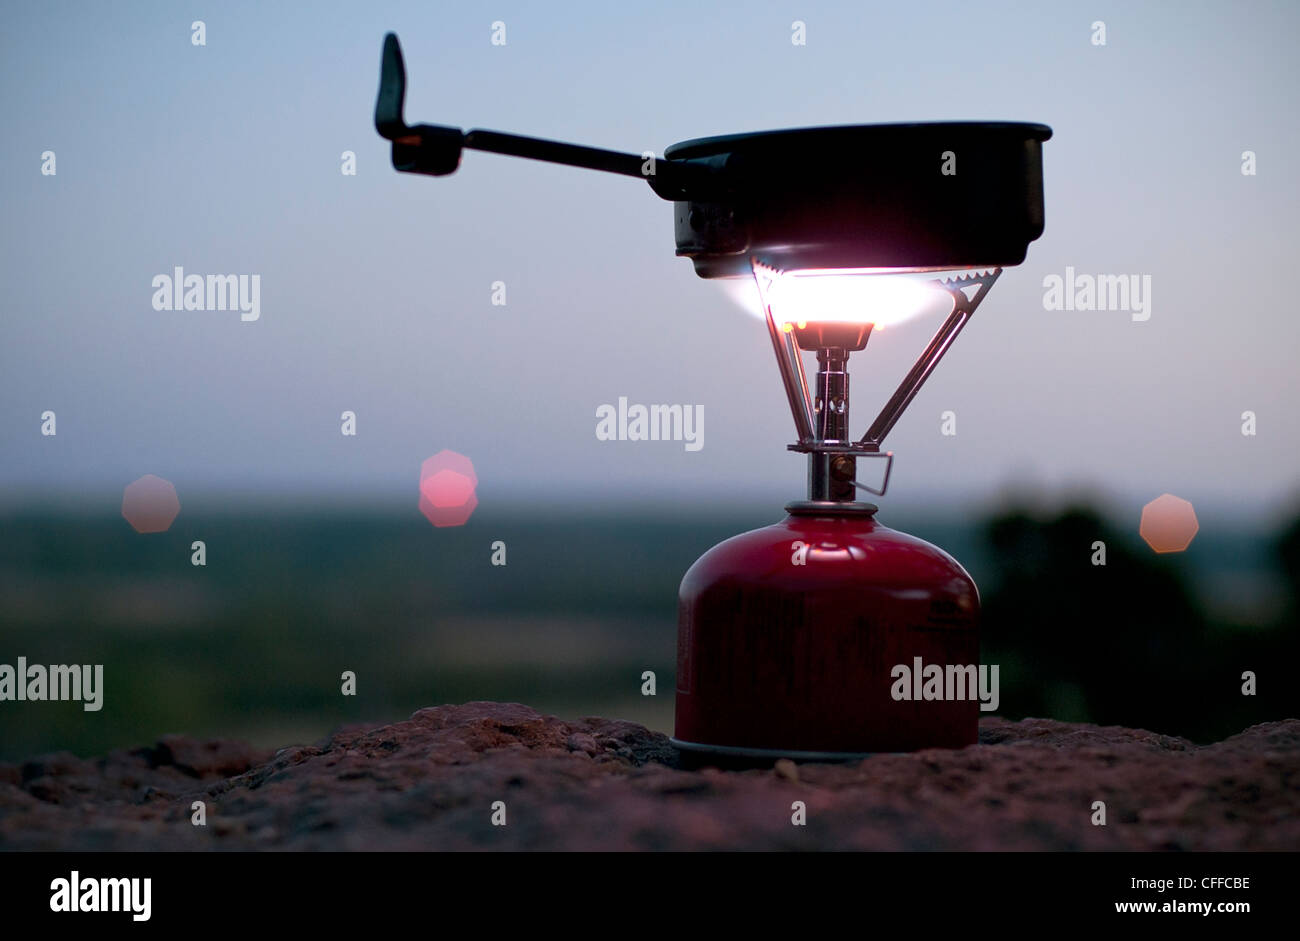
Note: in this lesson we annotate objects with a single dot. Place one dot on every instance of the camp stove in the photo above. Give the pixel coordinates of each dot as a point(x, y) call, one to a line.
point(790, 637)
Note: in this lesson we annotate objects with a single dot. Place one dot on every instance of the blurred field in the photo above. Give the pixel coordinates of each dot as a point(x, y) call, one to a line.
point(252, 645)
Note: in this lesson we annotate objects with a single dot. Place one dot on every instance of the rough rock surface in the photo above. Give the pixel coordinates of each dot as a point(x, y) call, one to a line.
point(429, 783)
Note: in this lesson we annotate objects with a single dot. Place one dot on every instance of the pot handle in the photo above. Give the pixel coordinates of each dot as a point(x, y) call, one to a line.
point(435, 150)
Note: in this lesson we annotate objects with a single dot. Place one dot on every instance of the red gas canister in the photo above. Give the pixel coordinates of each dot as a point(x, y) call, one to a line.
point(791, 639)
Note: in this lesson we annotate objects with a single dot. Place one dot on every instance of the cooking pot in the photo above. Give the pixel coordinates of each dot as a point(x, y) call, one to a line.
point(867, 196)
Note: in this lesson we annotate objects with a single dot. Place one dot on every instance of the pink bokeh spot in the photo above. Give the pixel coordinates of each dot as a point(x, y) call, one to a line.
point(150, 504)
point(447, 488)
point(1168, 523)
point(447, 485)
point(449, 516)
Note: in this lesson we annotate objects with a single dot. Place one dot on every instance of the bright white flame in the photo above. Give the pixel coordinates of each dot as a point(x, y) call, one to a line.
point(842, 295)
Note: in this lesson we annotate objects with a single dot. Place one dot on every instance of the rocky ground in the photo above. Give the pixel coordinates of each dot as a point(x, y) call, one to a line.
point(430, 782)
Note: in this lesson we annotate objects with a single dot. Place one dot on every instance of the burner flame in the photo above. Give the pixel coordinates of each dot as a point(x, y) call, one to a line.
point(882, 297)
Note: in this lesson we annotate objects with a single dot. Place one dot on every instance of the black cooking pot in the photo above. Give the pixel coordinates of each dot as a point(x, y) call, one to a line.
point(912, 196)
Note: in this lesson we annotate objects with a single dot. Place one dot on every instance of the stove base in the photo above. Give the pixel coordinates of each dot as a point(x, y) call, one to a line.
point(697, 753)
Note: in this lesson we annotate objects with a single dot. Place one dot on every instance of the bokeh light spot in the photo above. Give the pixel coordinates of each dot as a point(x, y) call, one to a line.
point(1168, 523)
point(150, 504)
point(447, 489)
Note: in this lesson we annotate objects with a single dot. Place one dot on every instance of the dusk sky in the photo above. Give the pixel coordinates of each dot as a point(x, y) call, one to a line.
point(376, 289)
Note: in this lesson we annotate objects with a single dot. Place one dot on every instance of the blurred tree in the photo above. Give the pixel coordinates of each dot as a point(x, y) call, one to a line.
point(1288, 557)
point(1121, 643)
